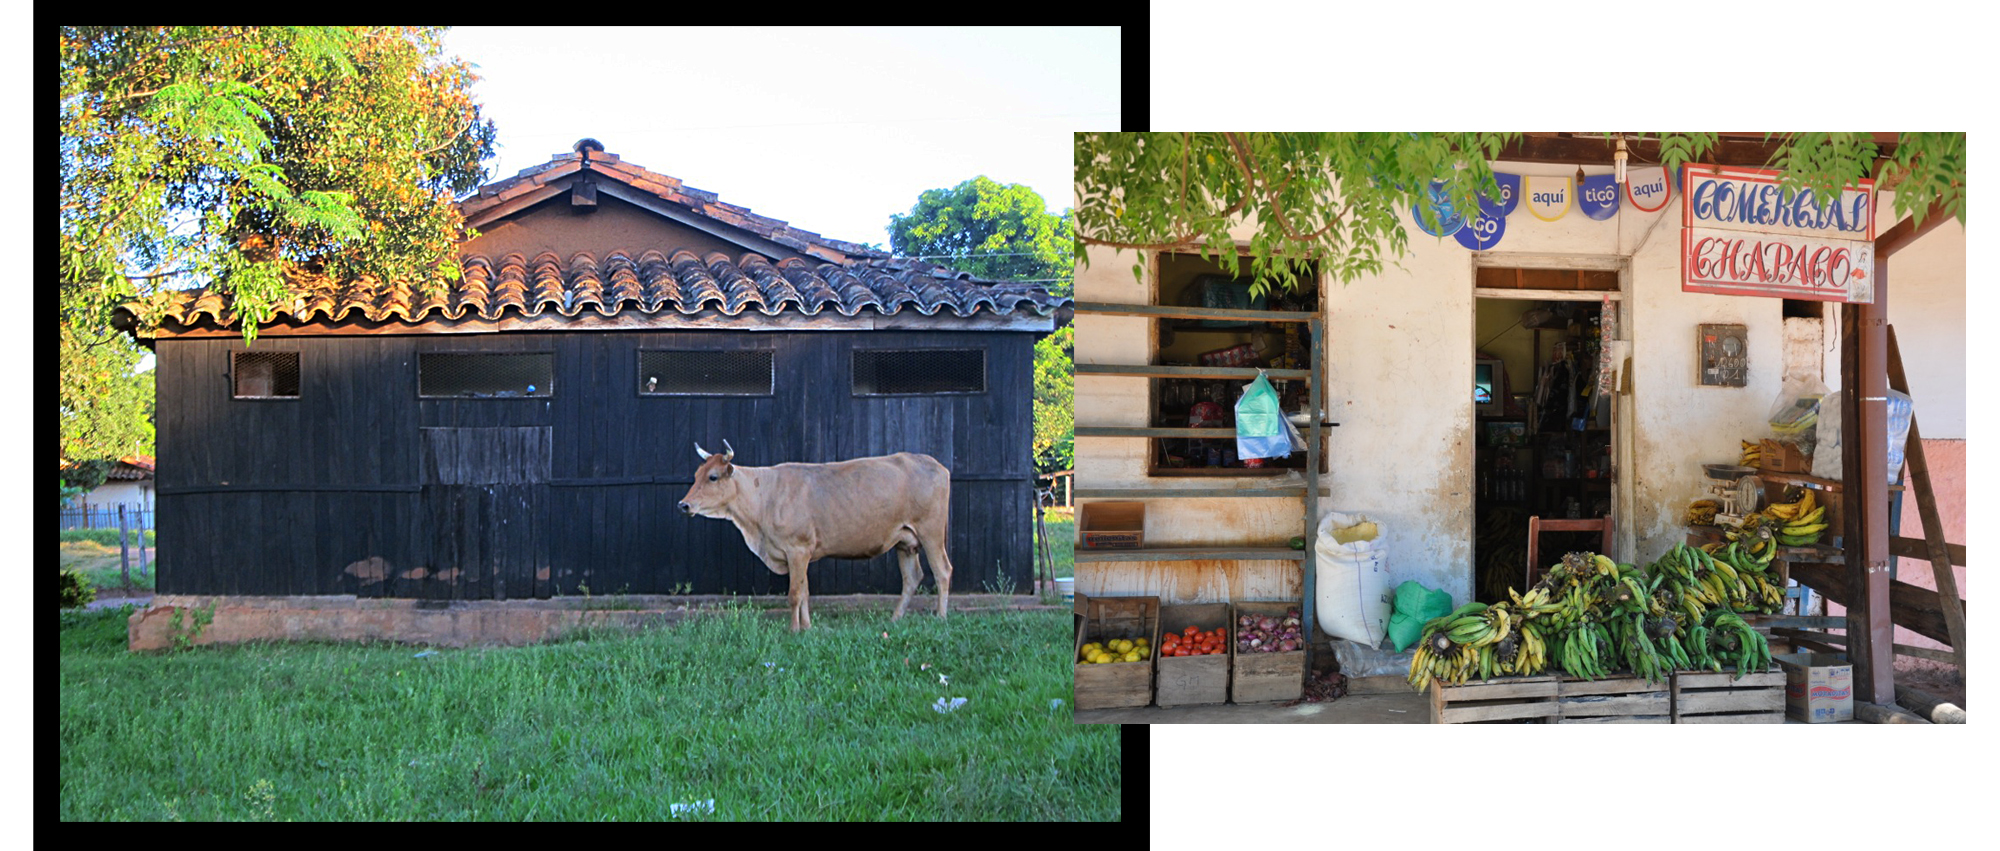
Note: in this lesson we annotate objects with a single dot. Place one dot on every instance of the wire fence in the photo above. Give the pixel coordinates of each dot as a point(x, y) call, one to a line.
point(138, 516)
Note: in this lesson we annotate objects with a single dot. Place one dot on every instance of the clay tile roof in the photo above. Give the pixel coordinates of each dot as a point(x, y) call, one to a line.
point(843, 278)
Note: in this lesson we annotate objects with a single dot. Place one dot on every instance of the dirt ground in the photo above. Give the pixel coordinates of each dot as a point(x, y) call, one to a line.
point(1934, 677)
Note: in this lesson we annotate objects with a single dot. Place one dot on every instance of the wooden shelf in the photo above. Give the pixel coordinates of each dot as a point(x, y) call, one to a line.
point(1803, 480)
point(1157, 311)
point(1795, 621)
point(1193, 554)
point(1193, 493)
point(1141, 371)
point(1213, 472)
point(1134, 431)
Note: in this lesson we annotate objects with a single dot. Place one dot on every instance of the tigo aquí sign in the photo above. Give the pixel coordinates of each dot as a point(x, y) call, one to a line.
point(1742, 235)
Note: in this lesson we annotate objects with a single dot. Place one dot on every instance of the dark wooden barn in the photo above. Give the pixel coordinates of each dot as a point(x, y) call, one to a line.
point(528, 430)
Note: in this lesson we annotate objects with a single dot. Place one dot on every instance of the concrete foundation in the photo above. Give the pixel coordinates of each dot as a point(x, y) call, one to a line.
point(462, 623)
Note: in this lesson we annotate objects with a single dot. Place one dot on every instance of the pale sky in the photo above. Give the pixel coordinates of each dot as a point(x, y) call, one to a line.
point(830, 130)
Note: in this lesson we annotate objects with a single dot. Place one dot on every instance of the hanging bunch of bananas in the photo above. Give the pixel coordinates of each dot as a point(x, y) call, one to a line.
point(1592, 592)
point(1753, 451)
point(1791, 524)
point(1584, 648)
point(1534, 616)
point(1762, 593)
point(1687, 575)
point(1595, 617)
point(1448, 651)
point(1798, 523)
point(1635, 611)
point(1731, 641)
point(1701, 512)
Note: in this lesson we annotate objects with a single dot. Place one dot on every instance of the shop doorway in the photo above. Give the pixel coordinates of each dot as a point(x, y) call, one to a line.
point(1545, 441)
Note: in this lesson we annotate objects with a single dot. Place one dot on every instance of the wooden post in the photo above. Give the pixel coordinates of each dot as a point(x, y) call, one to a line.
point(1885, 713)
point(124, 551)
point(1865, 488)
point(142, 544)
point(1928, 706)
point(1920, 479)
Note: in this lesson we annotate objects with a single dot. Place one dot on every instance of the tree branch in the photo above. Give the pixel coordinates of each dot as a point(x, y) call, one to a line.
point(1271, 196)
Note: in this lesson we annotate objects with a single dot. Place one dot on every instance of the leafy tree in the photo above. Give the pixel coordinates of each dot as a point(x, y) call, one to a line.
point(1055, 401)
point(242, 156)
point(1338, 197)
point(1004, 232)
point(998, 232)
point(247, 159)
point(105, 404)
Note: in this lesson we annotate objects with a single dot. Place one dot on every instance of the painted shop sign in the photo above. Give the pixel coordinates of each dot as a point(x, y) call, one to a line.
point(1740, 235)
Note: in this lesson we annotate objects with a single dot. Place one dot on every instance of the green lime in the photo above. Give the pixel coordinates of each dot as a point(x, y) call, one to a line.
point(1298, 542)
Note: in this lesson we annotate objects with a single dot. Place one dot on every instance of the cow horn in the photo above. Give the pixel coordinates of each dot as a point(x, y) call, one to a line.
point(730, 453)
point(700, 451)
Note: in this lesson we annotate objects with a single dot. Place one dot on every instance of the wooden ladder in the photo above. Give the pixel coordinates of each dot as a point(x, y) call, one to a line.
point(1934, 544)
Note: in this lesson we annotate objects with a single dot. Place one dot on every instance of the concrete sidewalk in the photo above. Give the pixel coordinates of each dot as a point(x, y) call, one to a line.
point(1409, 708)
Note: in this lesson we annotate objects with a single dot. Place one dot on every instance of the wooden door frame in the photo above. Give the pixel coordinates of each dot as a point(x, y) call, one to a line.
point(1621, 404)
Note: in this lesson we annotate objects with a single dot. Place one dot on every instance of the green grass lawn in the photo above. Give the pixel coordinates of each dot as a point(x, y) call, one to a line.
point(1062, 541)
point(99, 565)
point(834, 724)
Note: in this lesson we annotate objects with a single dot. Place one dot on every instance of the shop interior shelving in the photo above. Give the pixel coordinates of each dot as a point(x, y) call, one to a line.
point(1310, 495)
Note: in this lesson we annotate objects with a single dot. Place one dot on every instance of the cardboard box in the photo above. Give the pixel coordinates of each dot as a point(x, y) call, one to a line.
point(1819, 687)
point(1780, 457)
point(1112, 525)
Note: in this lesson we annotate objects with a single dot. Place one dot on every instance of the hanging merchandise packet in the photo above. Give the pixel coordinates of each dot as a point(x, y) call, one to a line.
point(1260, 425)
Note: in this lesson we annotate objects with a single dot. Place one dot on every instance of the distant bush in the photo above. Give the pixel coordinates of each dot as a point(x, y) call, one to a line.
point(106, 537)
point(75, 591)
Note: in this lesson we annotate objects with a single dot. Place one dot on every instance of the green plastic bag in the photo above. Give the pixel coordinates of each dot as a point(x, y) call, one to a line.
point(1415, 606)
point(1260, 426)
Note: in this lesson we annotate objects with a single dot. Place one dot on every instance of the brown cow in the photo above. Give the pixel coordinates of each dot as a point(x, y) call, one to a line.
point(791, 514)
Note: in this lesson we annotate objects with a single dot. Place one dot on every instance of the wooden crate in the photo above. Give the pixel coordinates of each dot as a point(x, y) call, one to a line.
point(1116, 684)
point(1192, 680)
point(1112, 525)
point(1265, 677)
point(1497, 699)
point(1705, 697)
point(1615, 700)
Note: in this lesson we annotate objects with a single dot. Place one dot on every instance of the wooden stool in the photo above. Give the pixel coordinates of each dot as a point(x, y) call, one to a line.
point(1536, 526)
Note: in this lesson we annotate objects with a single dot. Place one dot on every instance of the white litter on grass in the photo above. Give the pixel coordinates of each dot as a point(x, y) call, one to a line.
point(693, 808)
point(944, 680)
point(1055, 704)
point(941, 706)
point(425, 653)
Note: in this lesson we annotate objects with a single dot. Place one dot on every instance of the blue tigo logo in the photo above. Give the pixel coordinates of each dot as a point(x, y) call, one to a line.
point(1598, 196)
point(1483, 232)
point(1449, 219)
point(1510, 195)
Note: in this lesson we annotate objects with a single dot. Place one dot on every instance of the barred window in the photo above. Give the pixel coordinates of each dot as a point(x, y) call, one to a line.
point(705, 373)
point(442, 375)
point(897, 372)
point(265, 375)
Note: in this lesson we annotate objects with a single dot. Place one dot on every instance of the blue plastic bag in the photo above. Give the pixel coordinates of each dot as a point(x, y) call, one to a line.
point(1260, 425)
